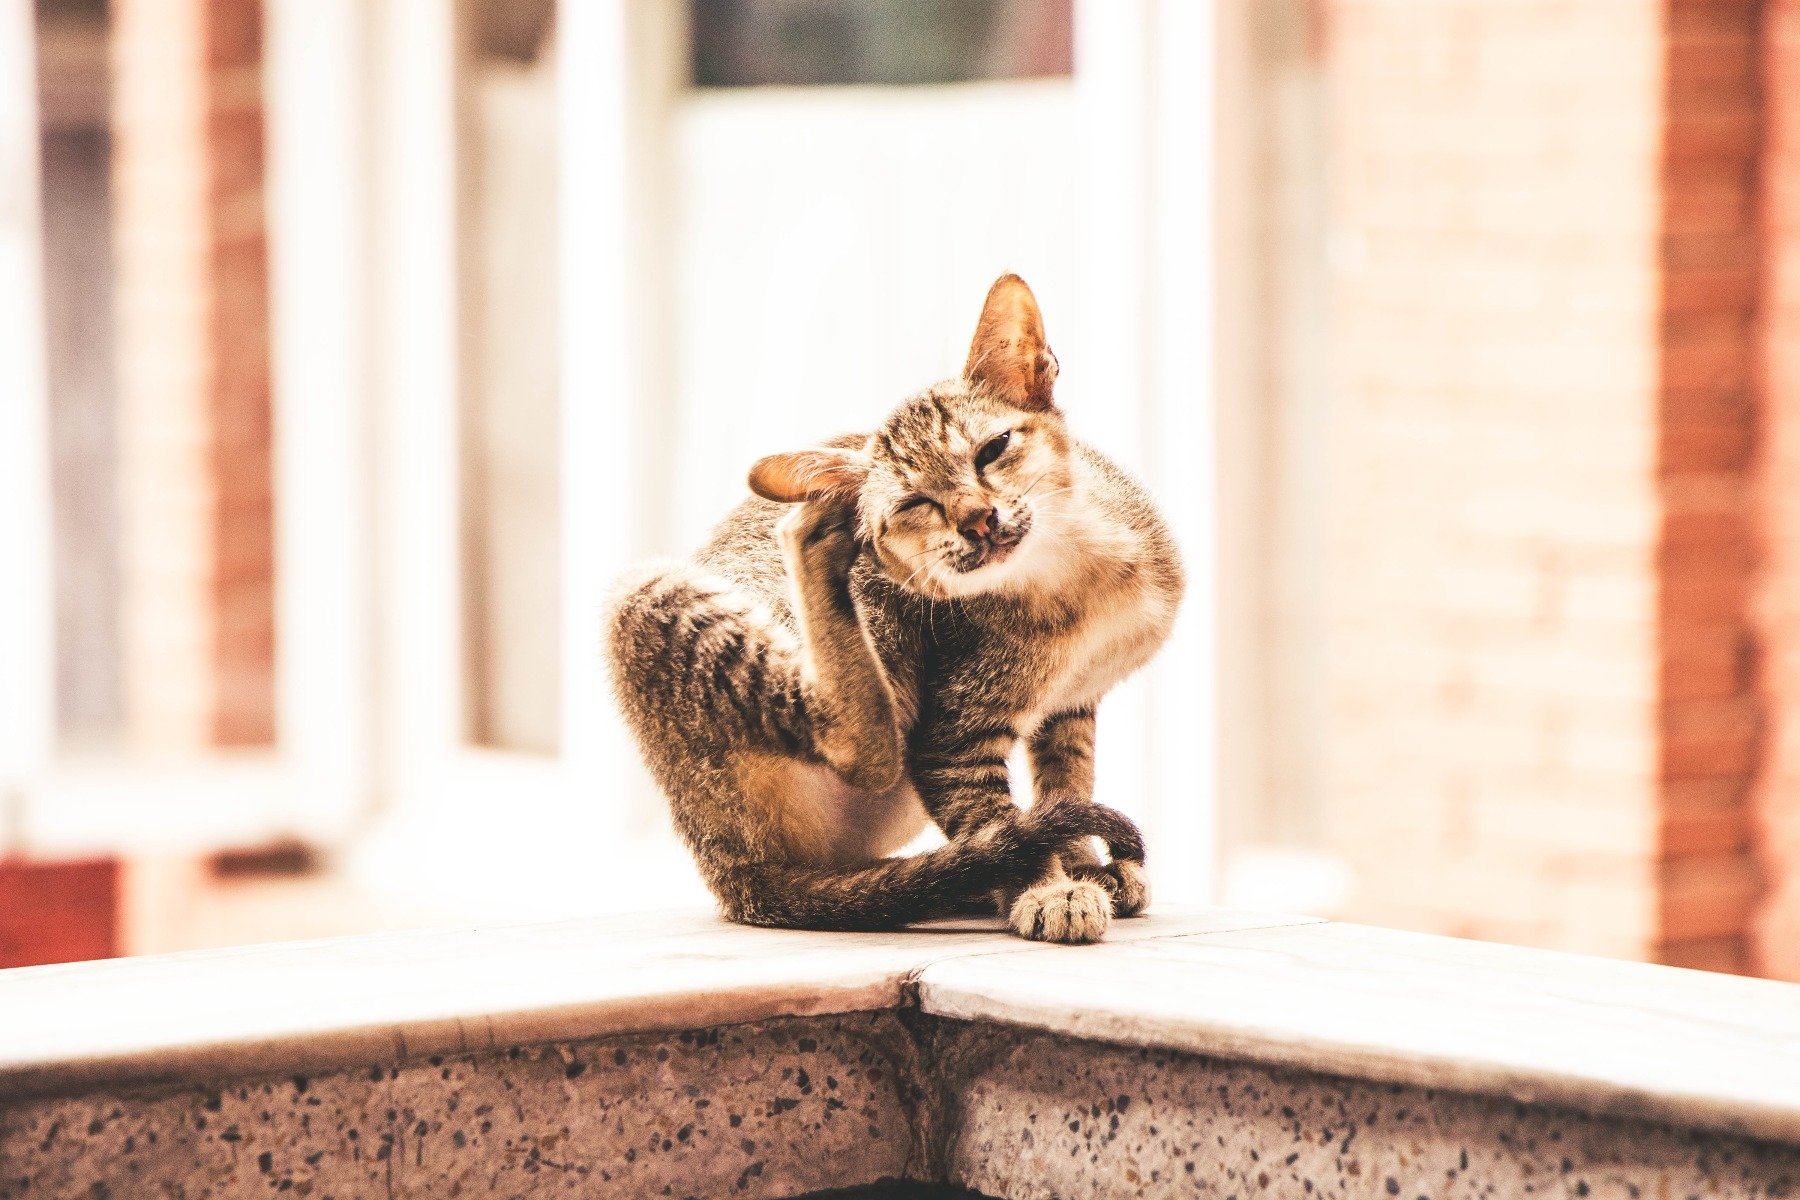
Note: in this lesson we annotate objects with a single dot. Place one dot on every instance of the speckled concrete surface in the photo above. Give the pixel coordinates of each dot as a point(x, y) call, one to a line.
point(1033, 1116)
point(801, 1105)
point(778, 1108)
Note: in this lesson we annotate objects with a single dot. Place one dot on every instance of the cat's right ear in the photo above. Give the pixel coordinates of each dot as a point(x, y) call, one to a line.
point(809, 475)
point(1009, 355)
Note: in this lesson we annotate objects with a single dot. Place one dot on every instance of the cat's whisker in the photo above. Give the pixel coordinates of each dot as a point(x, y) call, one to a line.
point(907, 582)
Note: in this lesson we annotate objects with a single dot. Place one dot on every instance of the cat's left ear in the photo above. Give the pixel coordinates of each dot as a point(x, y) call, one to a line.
point(809, 475)
point(1009, 355)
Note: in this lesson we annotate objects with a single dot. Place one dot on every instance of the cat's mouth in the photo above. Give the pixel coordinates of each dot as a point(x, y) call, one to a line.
point(997, 547)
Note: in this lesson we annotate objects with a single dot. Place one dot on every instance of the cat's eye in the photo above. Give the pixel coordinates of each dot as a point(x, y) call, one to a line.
point(995, 447)
point(912, 502)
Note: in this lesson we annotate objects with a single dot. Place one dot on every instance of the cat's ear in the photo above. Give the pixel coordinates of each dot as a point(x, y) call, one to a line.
point(809, 475)
point(1009, 356)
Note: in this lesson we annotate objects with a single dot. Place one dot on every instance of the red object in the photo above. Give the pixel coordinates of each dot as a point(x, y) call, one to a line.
point(52, 912)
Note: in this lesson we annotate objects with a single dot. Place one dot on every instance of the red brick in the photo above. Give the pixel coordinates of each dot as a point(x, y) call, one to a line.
point(1708, 896)
point(53, 912)
point(1729, 954)
point(1778, 609)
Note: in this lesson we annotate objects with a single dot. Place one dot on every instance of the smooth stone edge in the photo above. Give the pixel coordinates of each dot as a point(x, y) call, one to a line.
point(1590, 1094)
point(333, 1049)
point(323, 1049)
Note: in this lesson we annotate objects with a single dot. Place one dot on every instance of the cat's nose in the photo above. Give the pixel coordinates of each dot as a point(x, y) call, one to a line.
point(979, 524)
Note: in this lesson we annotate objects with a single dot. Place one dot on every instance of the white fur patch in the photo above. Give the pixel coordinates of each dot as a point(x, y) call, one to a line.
point(823, 818)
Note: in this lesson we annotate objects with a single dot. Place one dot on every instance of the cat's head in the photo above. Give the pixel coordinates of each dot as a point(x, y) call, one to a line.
point(962, 488)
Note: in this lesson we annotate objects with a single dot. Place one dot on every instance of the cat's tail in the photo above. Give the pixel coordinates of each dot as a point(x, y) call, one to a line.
point(1001, 856)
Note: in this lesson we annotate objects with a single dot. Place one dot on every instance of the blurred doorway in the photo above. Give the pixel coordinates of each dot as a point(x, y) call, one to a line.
point(816, 196)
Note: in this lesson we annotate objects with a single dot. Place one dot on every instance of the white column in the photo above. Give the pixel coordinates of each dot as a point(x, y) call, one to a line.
point(316, 110)
point(1184, 712)
point(1238, 432)
point(1113, 369)
point(619, 65)
point(414, 66)
point(27, 597)
point(429, 849)
point(1143, 74)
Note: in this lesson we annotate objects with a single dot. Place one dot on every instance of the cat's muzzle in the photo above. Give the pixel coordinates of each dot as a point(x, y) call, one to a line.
point(994, 545)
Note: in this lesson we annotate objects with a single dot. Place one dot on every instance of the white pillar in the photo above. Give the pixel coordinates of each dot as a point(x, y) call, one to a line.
point(414, 67)
point(1144, 75)
point(316, 107)
point(619, 65)
point(27, 597)
point(1184, 461)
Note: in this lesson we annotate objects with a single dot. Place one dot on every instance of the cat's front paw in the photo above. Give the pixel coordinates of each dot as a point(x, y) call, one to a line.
point(1125, 880)
point(1062, 910)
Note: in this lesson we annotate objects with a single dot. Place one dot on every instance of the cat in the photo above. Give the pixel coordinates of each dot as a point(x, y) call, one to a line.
point(857, 649)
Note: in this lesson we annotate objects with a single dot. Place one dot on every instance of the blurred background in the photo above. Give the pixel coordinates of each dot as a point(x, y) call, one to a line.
point(348, 349)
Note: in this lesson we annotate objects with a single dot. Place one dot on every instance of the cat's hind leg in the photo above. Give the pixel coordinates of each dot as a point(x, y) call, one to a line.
point(695, 658)
point(704, 670)
point(856, 727)
point(699, 662)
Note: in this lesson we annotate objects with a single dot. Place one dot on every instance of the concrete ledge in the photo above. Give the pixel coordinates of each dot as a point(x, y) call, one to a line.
point(1033, 1115)
point(312, 1006)
point(1688, 1048)
point(1205, 1053)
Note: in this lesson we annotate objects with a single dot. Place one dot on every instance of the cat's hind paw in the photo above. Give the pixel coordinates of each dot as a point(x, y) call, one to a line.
point(818, 532)
point(1125, 880)
point(1062, 910)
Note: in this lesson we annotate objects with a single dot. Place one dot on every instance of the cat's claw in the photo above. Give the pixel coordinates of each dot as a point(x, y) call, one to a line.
point(1071, 911)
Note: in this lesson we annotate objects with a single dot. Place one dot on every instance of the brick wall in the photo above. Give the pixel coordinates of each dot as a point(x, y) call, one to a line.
point(1540, 671)
point(193, 373)
point(1777, 930)
point(1710, 727)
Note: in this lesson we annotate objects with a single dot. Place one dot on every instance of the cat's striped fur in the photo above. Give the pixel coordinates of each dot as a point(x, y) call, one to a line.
point(857, 651)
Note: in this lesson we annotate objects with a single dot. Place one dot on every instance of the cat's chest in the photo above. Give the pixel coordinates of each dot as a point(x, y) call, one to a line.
point(1110, 642)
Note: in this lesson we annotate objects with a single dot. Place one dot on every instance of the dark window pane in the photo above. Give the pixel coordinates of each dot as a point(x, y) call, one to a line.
point(517, 30)
point(751, 43)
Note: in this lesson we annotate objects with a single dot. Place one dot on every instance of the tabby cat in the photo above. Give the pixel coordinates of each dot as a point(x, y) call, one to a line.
point(857, 650)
